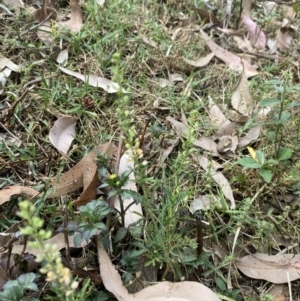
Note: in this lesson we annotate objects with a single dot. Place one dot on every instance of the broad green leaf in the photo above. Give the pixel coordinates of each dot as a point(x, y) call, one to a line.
point(269, 102)
point(285, 116)
point(284, 154)
point(260, 157)
point(120, 234)
point(266, 174)
point(26, 281)
point(248, 163)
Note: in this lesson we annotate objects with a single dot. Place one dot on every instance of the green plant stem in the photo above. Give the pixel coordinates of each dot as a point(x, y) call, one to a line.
point(278, 144)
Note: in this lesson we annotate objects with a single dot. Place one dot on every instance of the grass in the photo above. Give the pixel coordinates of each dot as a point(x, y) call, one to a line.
point(168, 236)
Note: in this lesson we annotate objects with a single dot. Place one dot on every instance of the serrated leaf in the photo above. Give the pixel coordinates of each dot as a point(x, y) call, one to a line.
point(284, 154)
point(26, 281)
point(266, 174)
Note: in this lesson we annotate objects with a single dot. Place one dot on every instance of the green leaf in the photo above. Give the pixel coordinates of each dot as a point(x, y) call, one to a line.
point(120, 234)
point(266, 174)
point(249, 163)
point(12, 294)
point(285, 116)
point(260, 157)
point(284, 154)
point(26, 281)
point(220, 284)
point(269, 102)
point(136, 253)
point(77, 240)
point(296, 88)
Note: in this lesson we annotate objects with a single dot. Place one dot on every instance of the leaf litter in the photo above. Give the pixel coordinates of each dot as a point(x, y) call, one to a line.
point(225, 136)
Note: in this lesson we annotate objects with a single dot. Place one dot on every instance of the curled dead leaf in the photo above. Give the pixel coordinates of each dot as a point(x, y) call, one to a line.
point(163, 291)
point(7, 193)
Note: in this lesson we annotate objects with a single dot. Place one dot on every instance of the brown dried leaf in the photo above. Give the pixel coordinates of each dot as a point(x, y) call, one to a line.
point(218, 178)
point(234, 62)
point(273, 268)
point(216, 115)
point(205, 142)
point(75, 22)
point(171, 144)
point(284, 39)
point(74, 178)
point(45, 12)
point(163, 291)
point(228, 128)
point(7, 193)
point(241, 99)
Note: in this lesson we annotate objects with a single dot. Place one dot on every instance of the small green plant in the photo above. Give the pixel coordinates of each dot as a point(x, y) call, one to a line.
point(14, 290)
point(90, 220)
point(266, 167)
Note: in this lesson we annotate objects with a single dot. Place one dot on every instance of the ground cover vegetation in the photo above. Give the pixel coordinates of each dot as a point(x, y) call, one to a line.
point(156, 141)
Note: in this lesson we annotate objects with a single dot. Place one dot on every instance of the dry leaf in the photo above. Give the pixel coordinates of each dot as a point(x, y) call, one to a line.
point(202, 202)
point(219, 179)
point(234, 62)
point(5, 62)
point(44, 33)
point(7, 193)
point(134, 213)
point(58, 240)
point(62, 133)
point(216, 115)
point(3, 78)
point(74, 178)
point(205, 142)
point(44, 13)
point(75, 22)
point(62, 57)
point(94, 81)
point(251, 136)
point(241, 99)
point(228, 128)
point(163, 291)
point(272, 44)
point(201, 62)
point(171, 144)
point(254, 132)
point(256, 35)
point(273, 268)
point(14, 3)
point(284, 40)
point(243, 44)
